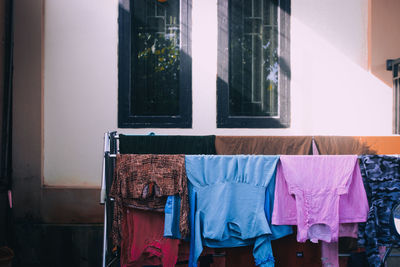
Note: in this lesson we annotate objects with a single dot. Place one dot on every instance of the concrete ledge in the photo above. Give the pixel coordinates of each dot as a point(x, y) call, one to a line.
point(69, 205)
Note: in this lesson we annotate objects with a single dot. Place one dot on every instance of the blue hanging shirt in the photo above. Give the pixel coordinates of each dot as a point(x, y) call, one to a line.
point(172, 208)
point(278, 231)
point(171, 219)
point(228, 206)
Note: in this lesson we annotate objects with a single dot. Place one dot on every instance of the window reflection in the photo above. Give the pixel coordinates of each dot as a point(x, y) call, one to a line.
point(253, 52)
point(155, 57)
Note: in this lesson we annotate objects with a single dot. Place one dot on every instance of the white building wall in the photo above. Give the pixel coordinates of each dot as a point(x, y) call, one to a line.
point(332, 93)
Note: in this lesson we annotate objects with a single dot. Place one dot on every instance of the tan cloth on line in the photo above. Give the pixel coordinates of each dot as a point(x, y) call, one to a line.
point(360, 145)
point(342, 145)
point(263, 145)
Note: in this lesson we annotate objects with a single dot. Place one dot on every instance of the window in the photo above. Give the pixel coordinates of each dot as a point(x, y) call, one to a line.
point(253, 64)
point(394, 66)
point(154, 64)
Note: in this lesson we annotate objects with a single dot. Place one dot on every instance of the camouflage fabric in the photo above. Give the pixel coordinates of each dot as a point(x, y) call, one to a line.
point(144, 182)
point(381, 177)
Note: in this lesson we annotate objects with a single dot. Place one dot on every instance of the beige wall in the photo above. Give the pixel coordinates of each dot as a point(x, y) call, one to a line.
point(68, 49)
point(332, 91)
point(384, 37)
point(33, 201)
point(80, 81)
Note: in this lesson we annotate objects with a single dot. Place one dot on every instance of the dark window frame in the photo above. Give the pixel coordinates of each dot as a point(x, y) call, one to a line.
point(224, 120)
point(394, 66)
point(125, 83)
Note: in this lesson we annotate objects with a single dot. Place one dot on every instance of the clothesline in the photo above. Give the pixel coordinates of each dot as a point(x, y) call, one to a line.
point(303, 145)
point(266, 145)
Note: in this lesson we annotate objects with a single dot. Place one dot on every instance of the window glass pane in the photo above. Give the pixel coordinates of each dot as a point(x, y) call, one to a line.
point(253, 58)
point(155, 58)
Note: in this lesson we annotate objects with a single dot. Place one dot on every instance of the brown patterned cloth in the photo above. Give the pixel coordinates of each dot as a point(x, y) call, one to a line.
point(144, 182)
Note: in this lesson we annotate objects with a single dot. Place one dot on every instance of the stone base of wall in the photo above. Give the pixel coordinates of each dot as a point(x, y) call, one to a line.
point(58, 245)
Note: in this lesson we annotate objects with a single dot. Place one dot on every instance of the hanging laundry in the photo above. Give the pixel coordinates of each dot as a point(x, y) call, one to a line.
point(145, 182)
point(143, 242)
point(343, 145)
point(144, 245)
point(263, 145)
point(270, 145)
point(166, 144)
point(227, 203)
point(316, 193)
point(278, 231)
point(381, 175)
point(330, 251)
point(171, 222)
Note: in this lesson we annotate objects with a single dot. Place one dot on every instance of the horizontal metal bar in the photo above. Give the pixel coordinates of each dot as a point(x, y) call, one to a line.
point(219, 255)
point(112, 155)
point(348, 255)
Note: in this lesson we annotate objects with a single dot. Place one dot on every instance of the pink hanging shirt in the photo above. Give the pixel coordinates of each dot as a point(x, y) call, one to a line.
point(316, 193)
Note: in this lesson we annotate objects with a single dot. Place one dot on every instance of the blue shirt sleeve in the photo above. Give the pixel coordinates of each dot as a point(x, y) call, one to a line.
point(278, 231)
point(171, 220)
